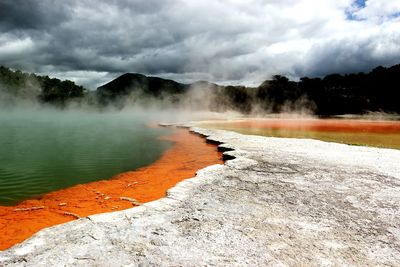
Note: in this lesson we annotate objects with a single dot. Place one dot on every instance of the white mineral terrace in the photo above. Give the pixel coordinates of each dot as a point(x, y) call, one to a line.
point(278, 201)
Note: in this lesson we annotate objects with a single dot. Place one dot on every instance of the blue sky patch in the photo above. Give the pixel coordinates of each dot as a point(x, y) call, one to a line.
point(360, 3)
point(396, 15)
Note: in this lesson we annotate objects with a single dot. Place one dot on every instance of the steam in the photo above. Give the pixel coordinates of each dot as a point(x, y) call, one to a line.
point(23, 99)
point(198, 101)
point(201, 101)
point(166, 108)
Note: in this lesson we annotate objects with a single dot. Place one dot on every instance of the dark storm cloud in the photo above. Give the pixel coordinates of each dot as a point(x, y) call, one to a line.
point(18, 15)
point(225, 41)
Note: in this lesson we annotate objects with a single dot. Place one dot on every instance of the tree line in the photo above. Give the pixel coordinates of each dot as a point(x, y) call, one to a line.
point(356, 93)
point(42, 88)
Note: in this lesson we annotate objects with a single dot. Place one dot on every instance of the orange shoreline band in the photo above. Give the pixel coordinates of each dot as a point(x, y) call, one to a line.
point(189, 154)
point(328, 125)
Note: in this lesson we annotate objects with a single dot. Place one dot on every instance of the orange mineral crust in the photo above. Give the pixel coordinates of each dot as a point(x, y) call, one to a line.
point(328, 125)
point(385, 134)
point(189, 154)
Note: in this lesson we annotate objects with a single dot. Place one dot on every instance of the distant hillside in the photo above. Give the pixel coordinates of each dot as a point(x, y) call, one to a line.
point(138, 83)
point(16, 85)
point(378, 90)
point(334, 94)
point(197, 95)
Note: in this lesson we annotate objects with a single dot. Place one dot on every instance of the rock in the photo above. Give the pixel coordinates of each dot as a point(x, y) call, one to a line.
point(30, 209)
point(76, 216)
point(132, 200)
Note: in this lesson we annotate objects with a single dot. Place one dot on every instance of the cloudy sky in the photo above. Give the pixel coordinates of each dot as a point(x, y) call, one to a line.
point(224, 41)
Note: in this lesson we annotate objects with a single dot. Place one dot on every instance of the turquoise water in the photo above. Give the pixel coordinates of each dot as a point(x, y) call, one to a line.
point(42, 151)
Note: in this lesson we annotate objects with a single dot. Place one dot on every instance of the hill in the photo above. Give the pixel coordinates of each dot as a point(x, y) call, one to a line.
point(138, 83)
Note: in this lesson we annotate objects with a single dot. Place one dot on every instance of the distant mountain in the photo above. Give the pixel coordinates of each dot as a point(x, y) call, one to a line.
point(134, 82)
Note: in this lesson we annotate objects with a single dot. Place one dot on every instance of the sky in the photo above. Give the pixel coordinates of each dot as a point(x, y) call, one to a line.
point(224, 41)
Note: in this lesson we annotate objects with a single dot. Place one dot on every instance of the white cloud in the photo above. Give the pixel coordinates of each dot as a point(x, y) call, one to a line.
point(379, 9)
point(88, 79)
point(12, 48)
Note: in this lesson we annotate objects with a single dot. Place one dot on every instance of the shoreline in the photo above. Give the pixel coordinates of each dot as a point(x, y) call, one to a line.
point(278, 201)
point(316, 124)
point(121, 191)
point(383, 134)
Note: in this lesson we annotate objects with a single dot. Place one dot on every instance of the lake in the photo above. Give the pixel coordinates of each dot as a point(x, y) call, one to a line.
point(377, 133)
point(47, 150)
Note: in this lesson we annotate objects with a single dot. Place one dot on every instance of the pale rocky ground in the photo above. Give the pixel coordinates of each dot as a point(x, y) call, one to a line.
point(280, 202)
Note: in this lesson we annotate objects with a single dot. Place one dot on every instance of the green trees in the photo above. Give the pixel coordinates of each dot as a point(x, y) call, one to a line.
point(18, 84)
point(59, 92)
point(277, 94)
point(238, 98)
point(378, 90)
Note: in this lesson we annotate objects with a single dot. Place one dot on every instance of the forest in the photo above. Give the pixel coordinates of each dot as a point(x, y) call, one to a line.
point(16, 85)
point(334, 94)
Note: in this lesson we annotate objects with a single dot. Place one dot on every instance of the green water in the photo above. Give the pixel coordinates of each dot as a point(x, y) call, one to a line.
point(42, 151)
